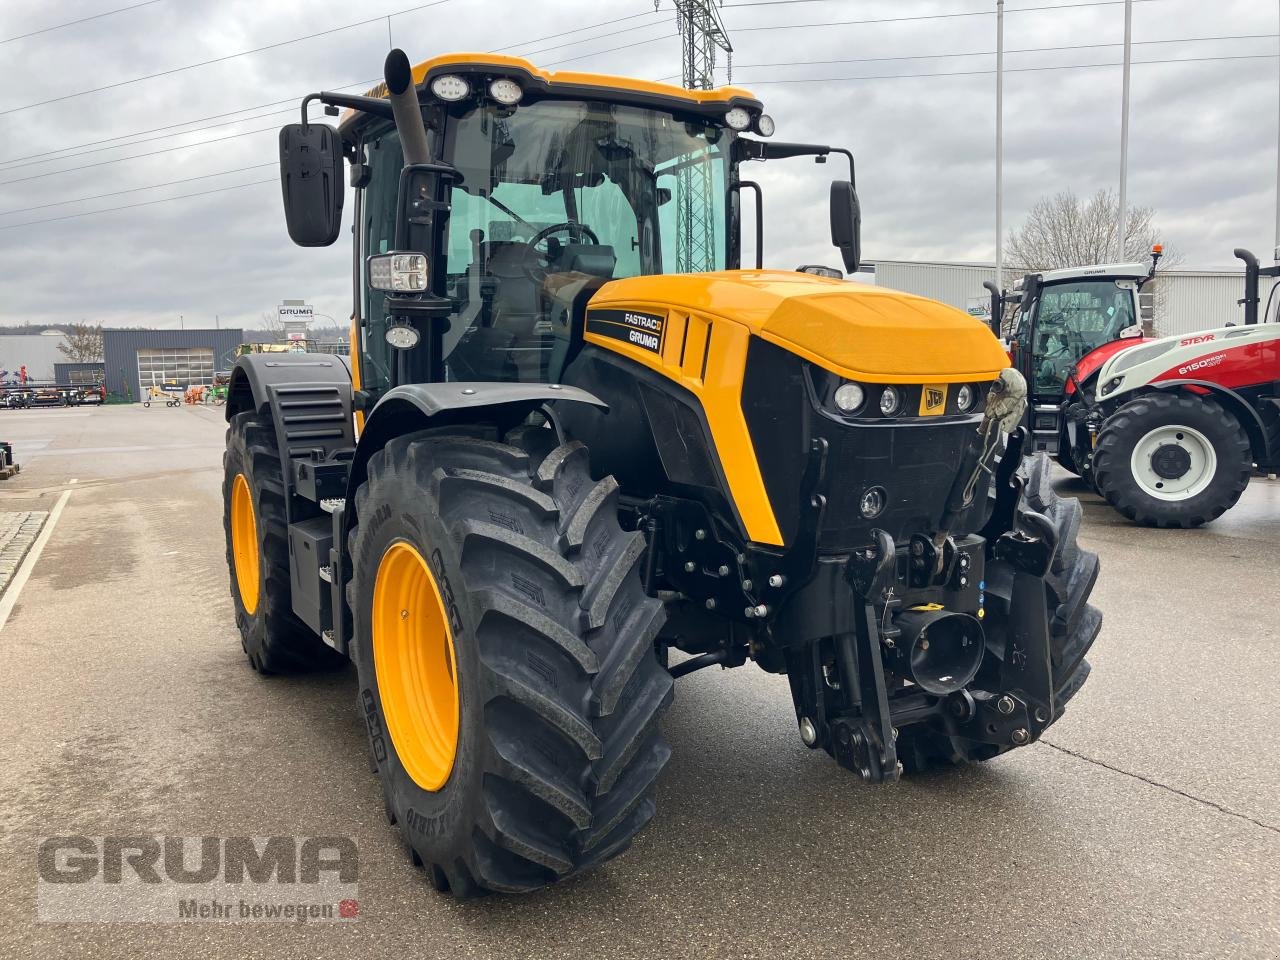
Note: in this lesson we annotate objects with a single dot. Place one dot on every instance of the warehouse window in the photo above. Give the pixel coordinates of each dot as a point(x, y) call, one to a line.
point(175, 367)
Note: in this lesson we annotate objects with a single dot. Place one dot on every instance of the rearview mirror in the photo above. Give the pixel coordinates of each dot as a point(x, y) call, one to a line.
point(311, 180)
point(846, 223)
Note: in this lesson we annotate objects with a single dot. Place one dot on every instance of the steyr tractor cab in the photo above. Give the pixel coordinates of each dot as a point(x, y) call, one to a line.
point(594, 454)
point(1067, 323)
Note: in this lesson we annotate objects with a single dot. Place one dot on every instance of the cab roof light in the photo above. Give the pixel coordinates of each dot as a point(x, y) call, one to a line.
point(450, 88)
point(737, 119)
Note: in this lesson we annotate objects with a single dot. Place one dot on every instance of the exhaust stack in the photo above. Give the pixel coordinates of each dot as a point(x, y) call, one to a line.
point(404, 105)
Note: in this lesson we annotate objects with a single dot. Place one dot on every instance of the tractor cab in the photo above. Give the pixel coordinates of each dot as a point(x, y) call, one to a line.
point(524, 193)
point(1066, 324)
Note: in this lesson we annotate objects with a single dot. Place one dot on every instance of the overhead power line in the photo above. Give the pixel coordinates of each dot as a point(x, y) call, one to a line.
point(153, 186)
point(139, 156)
point(977, 73)
point(144, 203)
point(591, 26)
point(938, 16)
point(135, 143)
point(992, 53)
point(47, 156)
point(222, 59)
point(72, 23)
point(362, 84)
point(625, 46)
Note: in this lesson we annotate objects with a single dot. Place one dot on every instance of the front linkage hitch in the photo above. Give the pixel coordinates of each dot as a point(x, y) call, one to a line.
point(859, 721)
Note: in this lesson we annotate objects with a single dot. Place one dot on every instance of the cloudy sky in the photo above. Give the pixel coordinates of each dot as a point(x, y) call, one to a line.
point(1203, 147)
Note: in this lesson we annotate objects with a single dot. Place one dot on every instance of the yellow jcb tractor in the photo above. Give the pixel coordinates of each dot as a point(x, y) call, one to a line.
point(579, 451)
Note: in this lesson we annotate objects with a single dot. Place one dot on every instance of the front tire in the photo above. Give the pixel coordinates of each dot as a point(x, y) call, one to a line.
point(1172, 460)
point(547, 748)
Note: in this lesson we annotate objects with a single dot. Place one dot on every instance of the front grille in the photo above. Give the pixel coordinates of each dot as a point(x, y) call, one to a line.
point(914, 459)
point(915, 464)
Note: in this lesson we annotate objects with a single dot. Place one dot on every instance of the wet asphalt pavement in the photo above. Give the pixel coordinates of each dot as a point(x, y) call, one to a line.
point(1145, 824)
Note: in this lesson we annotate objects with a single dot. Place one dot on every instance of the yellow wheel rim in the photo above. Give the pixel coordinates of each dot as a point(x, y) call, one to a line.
point(413, 658)
point(244, 543)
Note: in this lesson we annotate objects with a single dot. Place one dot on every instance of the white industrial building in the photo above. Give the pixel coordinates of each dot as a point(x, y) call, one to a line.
point(38, 352)
point(1188, 300)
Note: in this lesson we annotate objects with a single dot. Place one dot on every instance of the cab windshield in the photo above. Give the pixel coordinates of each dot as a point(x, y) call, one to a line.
point(1073, 318)
point(553, 198)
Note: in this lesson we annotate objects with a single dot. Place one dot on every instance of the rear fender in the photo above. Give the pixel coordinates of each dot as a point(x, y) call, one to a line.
point(254, 373)
point(308, 396)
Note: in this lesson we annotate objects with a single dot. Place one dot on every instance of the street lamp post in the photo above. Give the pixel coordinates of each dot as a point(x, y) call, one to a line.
point(1123, 214)
point(1000, 146)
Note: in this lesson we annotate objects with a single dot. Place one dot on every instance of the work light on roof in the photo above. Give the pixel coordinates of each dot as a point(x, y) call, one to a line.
point(738, 118)
point(450, 87)
point(765, 125)
point(506, 92)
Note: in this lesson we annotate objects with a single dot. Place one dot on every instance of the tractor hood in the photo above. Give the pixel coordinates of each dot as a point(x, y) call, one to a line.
point(857, 331)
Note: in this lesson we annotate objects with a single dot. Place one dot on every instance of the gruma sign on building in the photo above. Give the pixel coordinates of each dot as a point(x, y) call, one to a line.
point(295, 317)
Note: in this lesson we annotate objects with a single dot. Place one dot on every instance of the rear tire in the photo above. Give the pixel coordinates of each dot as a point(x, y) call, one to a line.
point(1144, 445)
point(274, 640)
point(1073, 622)
point(558, 686)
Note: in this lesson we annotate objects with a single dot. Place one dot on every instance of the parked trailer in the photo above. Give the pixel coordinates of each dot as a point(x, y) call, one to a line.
point(49, 393)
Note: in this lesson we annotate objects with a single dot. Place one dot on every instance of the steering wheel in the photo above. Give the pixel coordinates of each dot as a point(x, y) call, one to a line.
point(535, 263)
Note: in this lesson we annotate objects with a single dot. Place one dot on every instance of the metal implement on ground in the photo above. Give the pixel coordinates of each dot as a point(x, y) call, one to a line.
point(555, 474)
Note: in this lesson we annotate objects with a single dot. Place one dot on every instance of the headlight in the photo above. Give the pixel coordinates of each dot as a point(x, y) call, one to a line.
point(849, 397)
point(506, 92)
point(450, 87)
point(1136, 355)
point(738, 118)
point(965, 397)
point(872, 502)
point(764, 125)
point(398, 272)
point(1111, 385)
point(890, 401)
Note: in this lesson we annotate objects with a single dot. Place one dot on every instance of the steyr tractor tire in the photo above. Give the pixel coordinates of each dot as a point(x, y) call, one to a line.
point(506, 657)
point(1073, 622)
point(253, 519)
point(1172, 460)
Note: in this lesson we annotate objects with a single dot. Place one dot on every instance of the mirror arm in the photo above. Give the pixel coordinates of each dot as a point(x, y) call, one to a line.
point(372, 105)
point(769, 150)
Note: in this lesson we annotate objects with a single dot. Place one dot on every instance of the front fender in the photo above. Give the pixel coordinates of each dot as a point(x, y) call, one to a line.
point(418, 406)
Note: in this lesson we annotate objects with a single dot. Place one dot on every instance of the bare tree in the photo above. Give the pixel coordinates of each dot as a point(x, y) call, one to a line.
point(82, 344)
point(1065, 231)
point(271, 323)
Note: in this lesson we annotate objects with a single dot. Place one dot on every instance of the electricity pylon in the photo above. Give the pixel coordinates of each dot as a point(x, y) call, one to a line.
point(702, 36)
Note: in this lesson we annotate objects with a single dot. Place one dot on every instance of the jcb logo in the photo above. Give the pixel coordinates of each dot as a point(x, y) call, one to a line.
point(933, 399)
